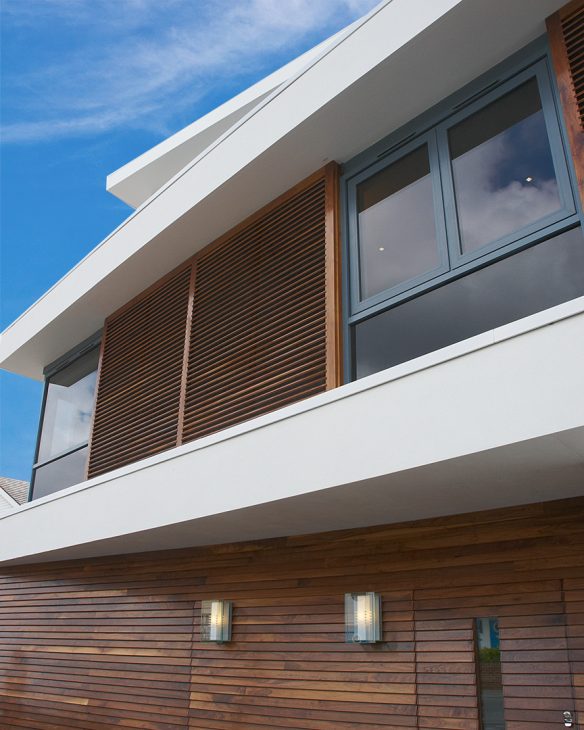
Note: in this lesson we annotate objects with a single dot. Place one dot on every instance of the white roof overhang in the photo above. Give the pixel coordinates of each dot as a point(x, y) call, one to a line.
point(397, 62)
point(140, 178)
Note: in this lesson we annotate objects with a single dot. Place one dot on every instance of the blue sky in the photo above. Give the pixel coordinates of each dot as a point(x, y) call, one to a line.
point(86, 86)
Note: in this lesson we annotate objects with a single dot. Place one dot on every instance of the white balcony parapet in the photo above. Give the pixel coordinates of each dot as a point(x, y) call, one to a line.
point(492, 421)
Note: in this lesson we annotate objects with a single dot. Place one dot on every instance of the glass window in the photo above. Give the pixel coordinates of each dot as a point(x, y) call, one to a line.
point(503, 170)
point(537, 278)
point(470, 226)
point(397, 230)
point(490, 679)
point(68, 406)
point(60, 473)
point(66, 421)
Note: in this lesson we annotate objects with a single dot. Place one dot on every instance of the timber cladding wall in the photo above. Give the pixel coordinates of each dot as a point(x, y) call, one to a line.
point(248, 325)
point(114, 642)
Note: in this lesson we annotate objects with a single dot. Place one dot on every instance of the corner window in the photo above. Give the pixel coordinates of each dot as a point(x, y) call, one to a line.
point(463, 228)
point(65, 425)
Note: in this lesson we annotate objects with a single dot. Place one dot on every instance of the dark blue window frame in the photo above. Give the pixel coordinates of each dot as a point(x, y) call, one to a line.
point(91, 343)
point(431, 128)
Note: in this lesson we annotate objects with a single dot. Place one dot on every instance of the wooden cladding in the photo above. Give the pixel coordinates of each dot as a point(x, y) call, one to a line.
point(566, 35)
point(114, 642)
point(248, 325)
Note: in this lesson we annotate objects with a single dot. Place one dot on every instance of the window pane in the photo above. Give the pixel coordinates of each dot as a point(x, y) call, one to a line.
point(502, 166)
point(69, 406)
point(527, 282)
point(61, 473)
point(397, 234)
point(489, 674)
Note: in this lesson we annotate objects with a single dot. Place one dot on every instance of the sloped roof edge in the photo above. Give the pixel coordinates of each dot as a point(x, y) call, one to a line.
point(137, 180)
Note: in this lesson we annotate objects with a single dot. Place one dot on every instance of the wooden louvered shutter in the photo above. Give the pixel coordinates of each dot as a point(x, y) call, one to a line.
point(255, 316)
point(566, 36)
point(140, 377)
point(259, 336)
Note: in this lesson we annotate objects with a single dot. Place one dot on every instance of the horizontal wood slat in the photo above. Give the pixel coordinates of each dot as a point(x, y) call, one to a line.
point(249, 319)
point(114, 642)
point(566, 36)
point(140, 376)
point(246, 326)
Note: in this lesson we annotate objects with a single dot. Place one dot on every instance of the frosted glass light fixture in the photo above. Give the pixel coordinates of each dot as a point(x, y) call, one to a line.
point(216, 621)
point(362, 618)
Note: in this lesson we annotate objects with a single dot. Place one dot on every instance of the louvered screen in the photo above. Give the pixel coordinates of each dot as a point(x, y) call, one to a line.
point(137, 406)
point(258, 335)
point(263, 313)
point(566, 35)
point(573, 31)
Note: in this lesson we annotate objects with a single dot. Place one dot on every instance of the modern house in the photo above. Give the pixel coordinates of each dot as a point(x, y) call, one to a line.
point(311, 451)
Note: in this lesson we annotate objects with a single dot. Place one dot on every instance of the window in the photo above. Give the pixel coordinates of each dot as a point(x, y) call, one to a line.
point(398, 242)
point(464, 227)
point(65, 424)
point(502, 169)
point(489, 677)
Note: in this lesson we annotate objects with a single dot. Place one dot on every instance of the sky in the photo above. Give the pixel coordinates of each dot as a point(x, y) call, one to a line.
point(86, 86)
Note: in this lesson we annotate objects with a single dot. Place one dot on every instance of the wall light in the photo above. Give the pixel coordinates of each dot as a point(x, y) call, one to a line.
point(362, 618)
point(216, 621)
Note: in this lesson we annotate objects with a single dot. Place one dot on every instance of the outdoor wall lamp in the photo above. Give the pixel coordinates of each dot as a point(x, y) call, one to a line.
point(362, 618)
point(216, 621)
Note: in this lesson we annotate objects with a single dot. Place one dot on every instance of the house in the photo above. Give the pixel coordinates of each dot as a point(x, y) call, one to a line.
point(12, 493)
point(311, 451)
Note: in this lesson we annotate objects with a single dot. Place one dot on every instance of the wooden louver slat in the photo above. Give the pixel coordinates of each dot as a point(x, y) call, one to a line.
point(254, 346)
point(140, 378)
point(566, 36)
point(246, 326)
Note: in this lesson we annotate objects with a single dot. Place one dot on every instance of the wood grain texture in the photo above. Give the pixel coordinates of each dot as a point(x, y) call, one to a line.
point(113, 642)
point(566, 38)
point(248, 325)
point(140, 375)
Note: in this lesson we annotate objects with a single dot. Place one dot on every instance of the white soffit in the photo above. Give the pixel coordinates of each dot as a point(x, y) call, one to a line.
point(140, 178)
point(399, 61)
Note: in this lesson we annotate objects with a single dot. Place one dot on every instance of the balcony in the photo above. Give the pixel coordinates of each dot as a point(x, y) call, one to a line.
point(495, 420)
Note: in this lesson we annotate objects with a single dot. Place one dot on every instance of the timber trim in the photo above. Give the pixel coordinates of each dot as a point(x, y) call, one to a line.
point(185, 366)
point(565, 69)
point(334, 318)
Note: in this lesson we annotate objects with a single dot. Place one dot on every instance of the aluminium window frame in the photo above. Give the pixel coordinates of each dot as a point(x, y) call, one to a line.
point(92, 342)
point(512, 240)
point(532, 61)
point(427, 140)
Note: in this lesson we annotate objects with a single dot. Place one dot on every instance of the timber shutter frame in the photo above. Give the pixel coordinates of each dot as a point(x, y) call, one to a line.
point(248, 325)
point(566, 37)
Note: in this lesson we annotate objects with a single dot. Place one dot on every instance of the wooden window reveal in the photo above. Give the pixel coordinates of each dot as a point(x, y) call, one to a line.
point(248, 325)
point(566, 36)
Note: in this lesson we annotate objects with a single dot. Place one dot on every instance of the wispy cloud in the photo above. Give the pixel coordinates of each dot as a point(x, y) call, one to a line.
point(98, 65)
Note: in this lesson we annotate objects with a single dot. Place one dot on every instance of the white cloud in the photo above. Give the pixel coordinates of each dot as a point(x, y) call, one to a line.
point(141, 63)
